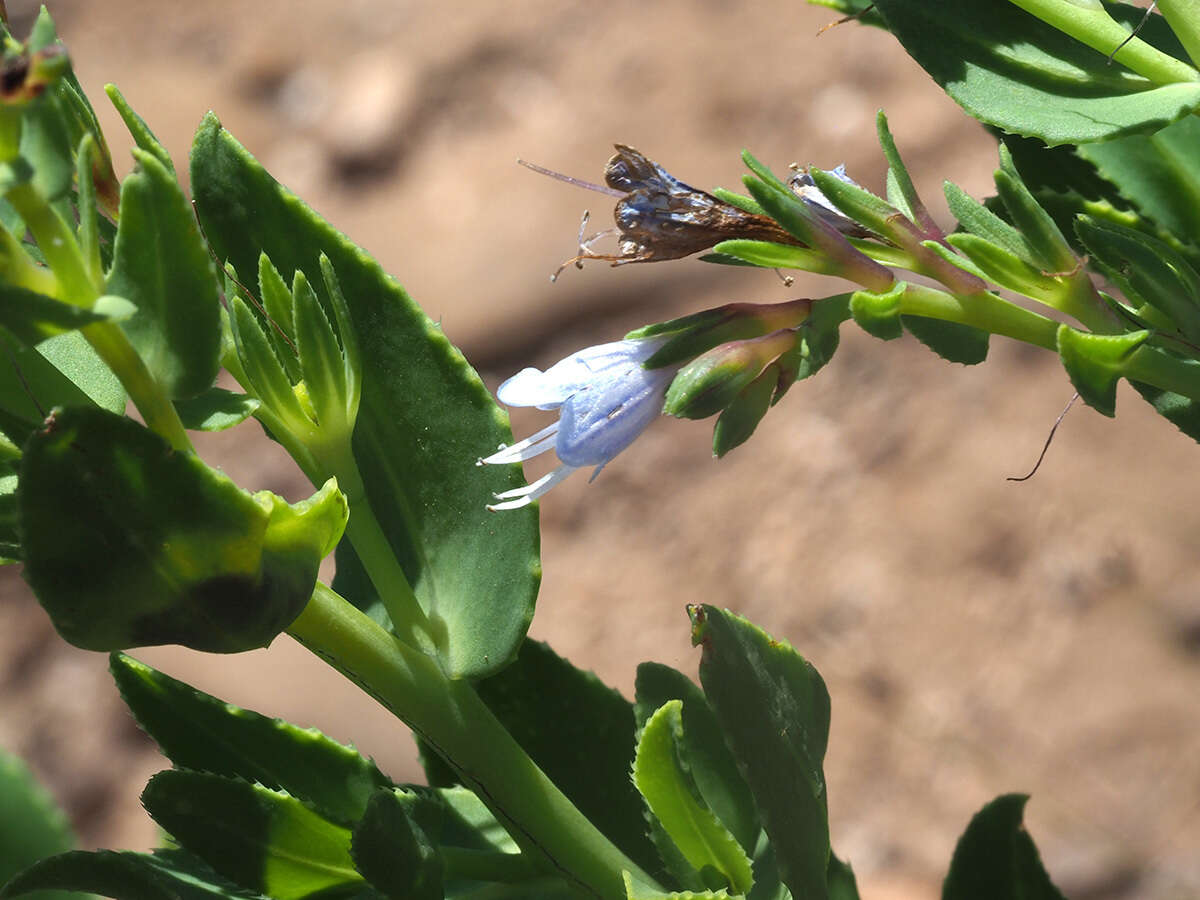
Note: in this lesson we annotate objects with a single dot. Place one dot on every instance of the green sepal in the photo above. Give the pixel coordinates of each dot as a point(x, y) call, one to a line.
point(695, 333)
point(1095, 362)
point(138, 129)
point(32, 826)
point(820, 334)
point(161, 264)
point(423, 411)
point(985, 224)
point(129, 542)
point(901, 192)
point(774, 710)
point(951, 341)
point(706, 386)
point(771, 255)
point(1005, 268)
point(161, 875)
point(1051, 251)
point(216, 409)
point(1146, 270)
point(858, 203)
point(741, 416)
point(320, 356)
point(88, 231)
point(277, 309)
point(1009, 69)
point(995, 859)
point(671, 795)
point(263, 840)
point(879, 314)
point(263, 368)
point(392, 851)
point(200, 732)
point(741, 201)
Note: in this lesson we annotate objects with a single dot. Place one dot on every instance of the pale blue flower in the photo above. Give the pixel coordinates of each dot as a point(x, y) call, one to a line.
point(605, 398)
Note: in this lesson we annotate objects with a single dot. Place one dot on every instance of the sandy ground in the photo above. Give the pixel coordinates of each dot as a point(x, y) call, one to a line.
point(977, 636)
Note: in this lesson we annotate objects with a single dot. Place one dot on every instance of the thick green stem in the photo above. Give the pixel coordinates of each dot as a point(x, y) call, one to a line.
point(1089, 23)
point(985, 311)
point(57, 242)
point(450, 716)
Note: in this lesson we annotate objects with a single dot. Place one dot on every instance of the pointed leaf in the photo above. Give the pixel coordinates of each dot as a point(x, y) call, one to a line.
point(321, 362)
point(774, 710)
point(215, 410)
point(741, 416)
point(670, 794)
point(1038, 228)
point(1009, 69)
point(161, 263)
point(130, 542)
point(197, 731)
point(1183, 412)
point(636, 890)
point(138, 129)
point(74, 357)
point(163, 875)
point(949, 340)
point(263, 840)
point(424, 418)
point(995, 858)
point(982, 222)
point(1095, 362)
point(777, 256)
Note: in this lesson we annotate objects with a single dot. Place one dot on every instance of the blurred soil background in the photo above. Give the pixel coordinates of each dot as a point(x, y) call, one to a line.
point(977, 636)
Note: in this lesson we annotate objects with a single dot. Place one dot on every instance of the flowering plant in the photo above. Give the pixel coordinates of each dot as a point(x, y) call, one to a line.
point(542, 782)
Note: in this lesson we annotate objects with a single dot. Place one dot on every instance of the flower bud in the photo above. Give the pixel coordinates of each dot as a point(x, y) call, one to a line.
point(712, 381)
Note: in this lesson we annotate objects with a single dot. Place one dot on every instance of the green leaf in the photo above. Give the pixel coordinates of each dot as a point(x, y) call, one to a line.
point(33, 317)
point(1009, 69)
point(581, 733)
point(1095, 362)
point(1158, 173)
point(215, 410)
point(138, 129)
point(712, 765)
point(1147, 270)
point(74, 357)
point(901, 191)
point(982, 222)
point(129, 542)
point(1183, 412)
point(951, 341)
point(842, 883)
point(163, 875)
point(1042, 235)
point(394, 854)
point(819, 335)
point(278, 313)
point(672, 797)
point(1004, 268)
point(424, 418)
point(197, 731)
point(263, 840)
point(319, 353)
point(161, 263)
point(879, 314)
point(32, 827)
point(774, 710)
point(995, 858)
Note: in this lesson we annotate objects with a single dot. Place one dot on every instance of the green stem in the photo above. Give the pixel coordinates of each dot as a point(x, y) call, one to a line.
point(1184, 18)
point(375, 552)
point(111, 344)
point(1089, 23)
point(450, 716)
point(1164, 371)
point(983, 310)
point(57, 242)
